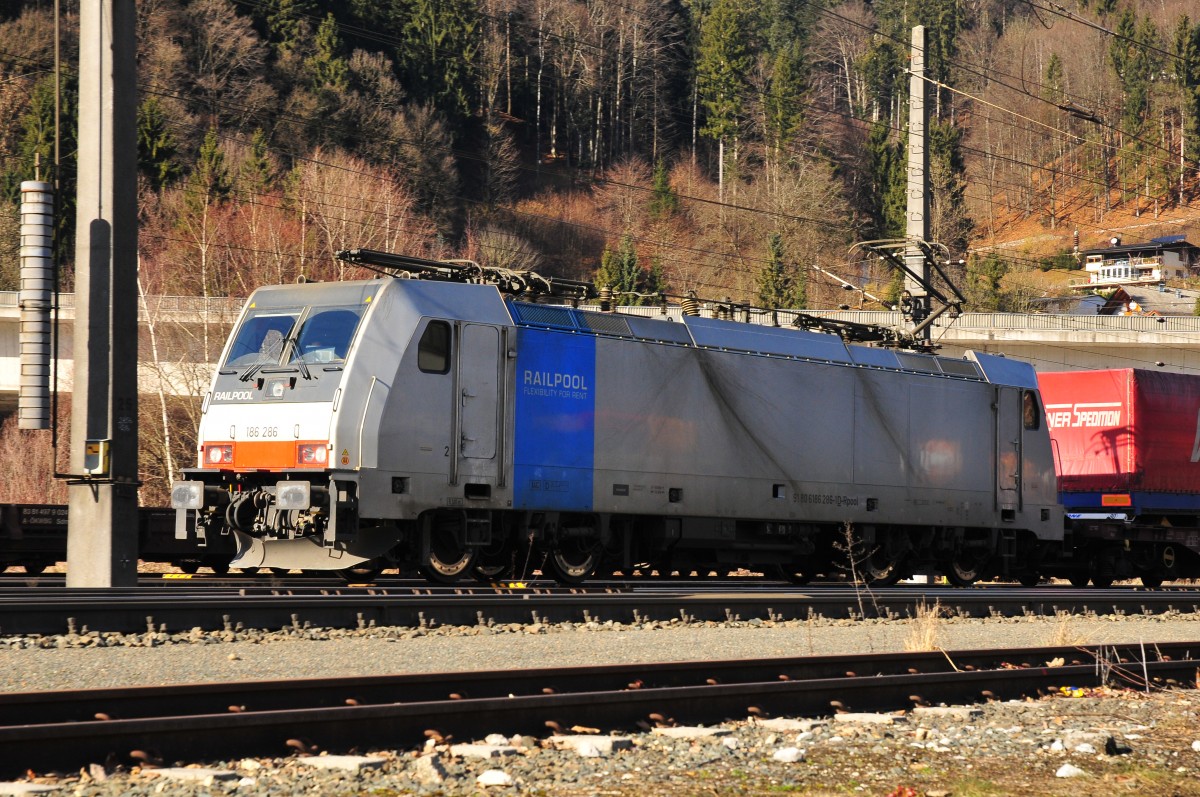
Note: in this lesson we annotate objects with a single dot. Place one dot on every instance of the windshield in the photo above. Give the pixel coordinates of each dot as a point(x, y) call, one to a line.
point(294, 336)
point(325, 335)
point(260, 338)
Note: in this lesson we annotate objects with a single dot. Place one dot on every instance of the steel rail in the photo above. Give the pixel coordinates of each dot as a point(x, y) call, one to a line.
point(189, 723)
point(136, 611)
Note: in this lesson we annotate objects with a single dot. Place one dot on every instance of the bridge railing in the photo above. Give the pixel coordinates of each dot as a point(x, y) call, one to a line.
point(223, 308)
point(216, 306)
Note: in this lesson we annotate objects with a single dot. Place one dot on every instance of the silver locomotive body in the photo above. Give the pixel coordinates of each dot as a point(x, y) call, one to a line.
point(462, 431)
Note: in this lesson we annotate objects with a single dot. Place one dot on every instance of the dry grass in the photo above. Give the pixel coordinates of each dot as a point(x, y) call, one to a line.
point(1065, 633)
point(923, 635)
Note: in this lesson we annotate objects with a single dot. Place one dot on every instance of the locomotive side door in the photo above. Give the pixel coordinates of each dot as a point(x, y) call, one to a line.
point(1008, 448)
point(478, 400)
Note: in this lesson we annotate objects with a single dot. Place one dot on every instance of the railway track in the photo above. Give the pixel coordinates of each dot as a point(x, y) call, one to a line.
point(183, 606)
point(65, 730)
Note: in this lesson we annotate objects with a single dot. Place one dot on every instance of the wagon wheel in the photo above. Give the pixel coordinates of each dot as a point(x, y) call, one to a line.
point(191, 568)
point(1152, 580)
point(1029, 578)
point(574, 560)
point(964, 568)
point(35, 568)
point(220, 567)
point(449, 560)
point(1079, 579)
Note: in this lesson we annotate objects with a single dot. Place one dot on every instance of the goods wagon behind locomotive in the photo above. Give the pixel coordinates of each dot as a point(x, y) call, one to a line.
point(1127, 444)
point(440, 424)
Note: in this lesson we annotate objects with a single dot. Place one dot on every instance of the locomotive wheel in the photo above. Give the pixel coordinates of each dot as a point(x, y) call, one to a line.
point(1079, 579)
point(574, 562)
point(34, 568)
point(448, 560)
point(1152, 580)
point(881, 570)
point(220, 568)
point(486, 573)
point(963, 570)
point(1029, 579)
point(367, 571)
point(191, 568)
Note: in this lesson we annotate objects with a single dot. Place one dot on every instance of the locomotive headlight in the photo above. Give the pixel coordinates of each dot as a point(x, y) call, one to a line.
point(187, 495)
point(292, 495)
point(312, 454)
point(219, 454)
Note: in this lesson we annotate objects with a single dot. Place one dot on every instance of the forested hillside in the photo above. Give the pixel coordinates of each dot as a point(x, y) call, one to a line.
point(720, 146)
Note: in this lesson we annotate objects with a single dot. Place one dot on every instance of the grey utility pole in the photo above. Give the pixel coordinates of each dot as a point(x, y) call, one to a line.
point(102, 543)
point(918, 182)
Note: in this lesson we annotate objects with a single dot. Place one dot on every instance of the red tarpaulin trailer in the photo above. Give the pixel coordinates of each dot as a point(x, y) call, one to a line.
point(1124, 431)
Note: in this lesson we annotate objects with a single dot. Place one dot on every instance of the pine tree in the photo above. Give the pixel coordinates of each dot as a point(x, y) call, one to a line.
point(35, 154)
point(785, 102)
point(724, 61)
point(209, 183)
point(664, 202)
point(156, 145)
point(286, 22)
point(1185, 71)
point(441, 40)
point(327, 69)
point(258, 170)
point(1053, 79)
point(887, 169)
point(619, 270)
point(774, 286)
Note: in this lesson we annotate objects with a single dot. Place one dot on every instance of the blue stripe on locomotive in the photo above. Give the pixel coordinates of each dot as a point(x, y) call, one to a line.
point(555, 421)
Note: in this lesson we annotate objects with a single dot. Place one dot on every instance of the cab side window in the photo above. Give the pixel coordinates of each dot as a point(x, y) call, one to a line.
point(433, 352)
point(1030, 410)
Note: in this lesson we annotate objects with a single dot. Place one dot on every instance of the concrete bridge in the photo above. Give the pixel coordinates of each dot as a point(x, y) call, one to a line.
point(188, 332)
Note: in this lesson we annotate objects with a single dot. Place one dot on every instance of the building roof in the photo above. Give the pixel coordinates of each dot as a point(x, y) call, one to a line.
point(1155, 245)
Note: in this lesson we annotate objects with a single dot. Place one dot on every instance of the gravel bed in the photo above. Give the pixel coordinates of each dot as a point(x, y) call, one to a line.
point(90, 660)
point(1121, 742)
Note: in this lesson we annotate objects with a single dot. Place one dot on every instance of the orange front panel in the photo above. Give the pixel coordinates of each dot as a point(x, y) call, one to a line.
point(267, 454)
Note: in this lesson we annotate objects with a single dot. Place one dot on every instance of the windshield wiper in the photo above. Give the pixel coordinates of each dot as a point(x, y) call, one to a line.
point(249, 373)
point(291, 344)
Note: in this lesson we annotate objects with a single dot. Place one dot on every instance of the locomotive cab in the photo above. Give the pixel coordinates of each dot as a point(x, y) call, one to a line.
point(266, 435)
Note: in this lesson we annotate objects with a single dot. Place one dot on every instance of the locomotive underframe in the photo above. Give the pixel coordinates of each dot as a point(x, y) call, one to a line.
point(448, 542)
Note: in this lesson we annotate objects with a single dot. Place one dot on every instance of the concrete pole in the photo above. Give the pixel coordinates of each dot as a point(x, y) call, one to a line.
point(102, 543)
point(918, 180)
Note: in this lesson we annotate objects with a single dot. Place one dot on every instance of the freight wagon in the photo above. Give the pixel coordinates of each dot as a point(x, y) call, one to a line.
point(1126, 444)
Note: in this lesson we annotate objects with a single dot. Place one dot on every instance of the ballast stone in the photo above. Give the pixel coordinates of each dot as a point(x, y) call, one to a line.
point(428, 770)
point(1069, 771)
point(960, 713)
point(495, 777)
point(351, 763)
point(866, 719)
point(482, 750)
point(193, 774)
point(784, 724)
point(593, 745)
point(789, 755)
point(689, 732)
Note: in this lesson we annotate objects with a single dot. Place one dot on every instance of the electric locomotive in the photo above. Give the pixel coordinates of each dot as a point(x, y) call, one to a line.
point(452, 426)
